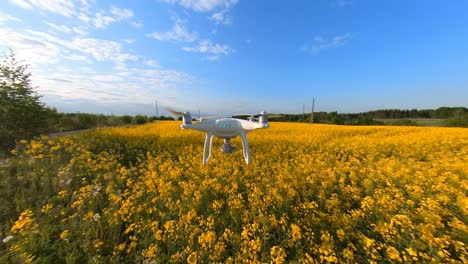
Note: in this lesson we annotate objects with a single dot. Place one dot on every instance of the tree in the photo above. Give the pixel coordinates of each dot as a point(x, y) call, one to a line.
point(22, 114)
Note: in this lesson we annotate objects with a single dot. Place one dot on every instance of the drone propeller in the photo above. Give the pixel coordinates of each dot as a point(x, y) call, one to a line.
point(244, 116)
point(256, 116)
point(176, 113)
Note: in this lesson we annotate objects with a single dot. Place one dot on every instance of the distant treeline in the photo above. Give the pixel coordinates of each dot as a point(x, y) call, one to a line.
point(59, 122)
point(454, 116)
point(450, 116)
point(442, 112)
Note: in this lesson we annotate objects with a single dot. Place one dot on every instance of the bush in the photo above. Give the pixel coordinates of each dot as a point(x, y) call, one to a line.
point(458, 121)
point(139, 120)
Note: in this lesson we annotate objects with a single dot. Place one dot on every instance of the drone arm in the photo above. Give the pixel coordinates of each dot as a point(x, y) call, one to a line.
point(245, 147)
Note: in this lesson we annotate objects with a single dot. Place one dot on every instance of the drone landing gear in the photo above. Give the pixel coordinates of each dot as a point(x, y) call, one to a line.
point(227, 148)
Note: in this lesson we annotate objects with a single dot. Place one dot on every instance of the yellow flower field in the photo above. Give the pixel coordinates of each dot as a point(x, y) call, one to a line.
point(312, 194)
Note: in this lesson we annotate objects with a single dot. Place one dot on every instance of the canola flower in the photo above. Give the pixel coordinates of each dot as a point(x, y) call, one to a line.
point(313, 194)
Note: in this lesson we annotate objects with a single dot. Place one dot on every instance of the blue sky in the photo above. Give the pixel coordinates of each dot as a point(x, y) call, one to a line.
point(237, 56)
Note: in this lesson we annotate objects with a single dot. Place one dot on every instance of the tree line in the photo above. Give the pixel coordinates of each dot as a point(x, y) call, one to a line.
point(453, 116)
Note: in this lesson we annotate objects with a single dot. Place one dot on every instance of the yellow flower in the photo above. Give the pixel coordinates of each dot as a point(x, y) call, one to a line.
point(393, 253)
point(64, 235)
point(24, 222)
point(98, 244)
point(296, 232)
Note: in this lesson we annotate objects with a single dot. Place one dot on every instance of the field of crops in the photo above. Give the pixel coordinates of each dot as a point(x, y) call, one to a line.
point(313, 193)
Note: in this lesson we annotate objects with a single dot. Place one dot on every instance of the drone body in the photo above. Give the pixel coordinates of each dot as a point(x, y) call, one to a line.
point(225, 128)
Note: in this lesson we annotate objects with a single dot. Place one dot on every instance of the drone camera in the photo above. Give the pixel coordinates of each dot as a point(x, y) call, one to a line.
point(227, 148)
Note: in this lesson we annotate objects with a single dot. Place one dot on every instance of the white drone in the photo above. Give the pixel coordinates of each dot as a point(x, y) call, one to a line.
point(225, 128)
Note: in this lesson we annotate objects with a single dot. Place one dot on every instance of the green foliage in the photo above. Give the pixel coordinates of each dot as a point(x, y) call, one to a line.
point(139, 120)
point(22, 115)
point(59, 122)
point(154, 118)
point(126, 119)
point(441, 112)
point(457, 121)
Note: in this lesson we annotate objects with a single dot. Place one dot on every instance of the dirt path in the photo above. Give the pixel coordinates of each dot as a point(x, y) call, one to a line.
point(65, 133)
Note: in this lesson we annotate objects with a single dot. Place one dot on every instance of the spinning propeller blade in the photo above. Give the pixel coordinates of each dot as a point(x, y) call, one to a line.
point(256, 116)
point(244, 115)
point(176, 113)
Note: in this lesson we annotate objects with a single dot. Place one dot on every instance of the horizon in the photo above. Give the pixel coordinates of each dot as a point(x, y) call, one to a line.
point(232, 56)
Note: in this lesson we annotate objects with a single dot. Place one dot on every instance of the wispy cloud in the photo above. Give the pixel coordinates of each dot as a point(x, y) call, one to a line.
point(203, 5)
point(320, 43)
point(4, 18)
point(137, 24)
point(83, 17)
point(207, 47)
point(62, 7)
point(221, 18)
point(61, 28)
point(102, 20)
point(121, 13)
point(151, 63)
point(177, 33)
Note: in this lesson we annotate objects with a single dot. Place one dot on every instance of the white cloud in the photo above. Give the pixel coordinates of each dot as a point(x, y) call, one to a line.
point(140, 86)
point(59, 27)
point(137, 24)
point(83, 17)
point(203, 5)
point(207, 47)
point(7, 18)
point(178, 33)
point(321, 43)
point(80, 31)
point(121, 13)
point(221, 18)
point(102, 20)
point(151, 63)
point(22, 3)
point(34, 50)
point(85, 5)
point(100, 50)
point(76, 57)
point(41, 47)
point(62, 7)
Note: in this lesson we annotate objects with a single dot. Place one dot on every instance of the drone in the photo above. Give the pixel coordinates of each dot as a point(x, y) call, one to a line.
point(225, 128)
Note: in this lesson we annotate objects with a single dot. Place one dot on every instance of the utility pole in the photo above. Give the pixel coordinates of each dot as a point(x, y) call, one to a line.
point(157, 115)
point(303, 111)
point(312, 113)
